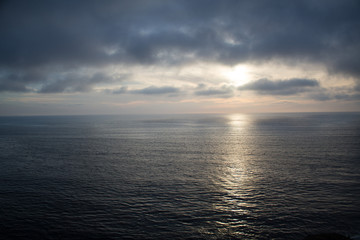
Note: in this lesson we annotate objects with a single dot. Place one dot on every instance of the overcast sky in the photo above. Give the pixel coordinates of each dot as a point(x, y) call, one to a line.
point(126, 57)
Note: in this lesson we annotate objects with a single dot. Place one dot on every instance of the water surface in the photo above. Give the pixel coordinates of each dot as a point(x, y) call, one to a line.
point(264, 176)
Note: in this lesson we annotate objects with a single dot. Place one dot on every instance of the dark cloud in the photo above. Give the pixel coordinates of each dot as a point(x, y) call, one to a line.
point(74, 34)
point(13, 86)
point(357, 87)
point(152, 90)
point(119, 91)
point(19, 82)
point(281, 87)
point(323, 94)
point(223, 91)
point(332, 96)
point(77, 83)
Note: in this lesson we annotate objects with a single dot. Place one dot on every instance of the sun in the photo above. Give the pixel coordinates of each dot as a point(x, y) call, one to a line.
point(238, 75)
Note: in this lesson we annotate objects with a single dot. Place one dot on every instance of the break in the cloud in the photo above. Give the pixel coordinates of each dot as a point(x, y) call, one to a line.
point(79, 46)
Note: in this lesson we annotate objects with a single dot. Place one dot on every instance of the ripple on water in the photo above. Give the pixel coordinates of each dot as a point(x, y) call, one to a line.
point(207, 177)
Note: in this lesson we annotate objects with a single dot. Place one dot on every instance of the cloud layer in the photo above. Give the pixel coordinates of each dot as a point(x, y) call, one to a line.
point(281, 87)
point(68, 46)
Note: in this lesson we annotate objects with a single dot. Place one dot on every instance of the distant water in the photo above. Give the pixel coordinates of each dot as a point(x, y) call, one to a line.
point(265, 176)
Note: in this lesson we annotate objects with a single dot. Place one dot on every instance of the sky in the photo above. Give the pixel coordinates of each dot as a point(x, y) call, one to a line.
point(158, 57)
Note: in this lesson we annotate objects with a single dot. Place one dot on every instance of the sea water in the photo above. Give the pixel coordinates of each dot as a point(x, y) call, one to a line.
point(259, 176)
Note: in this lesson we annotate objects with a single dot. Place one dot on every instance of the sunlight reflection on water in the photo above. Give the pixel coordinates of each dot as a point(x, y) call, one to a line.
point(234, 177)
point(238, 121)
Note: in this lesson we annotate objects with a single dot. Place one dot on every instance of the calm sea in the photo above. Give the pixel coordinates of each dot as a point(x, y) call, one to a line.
point(264, 176)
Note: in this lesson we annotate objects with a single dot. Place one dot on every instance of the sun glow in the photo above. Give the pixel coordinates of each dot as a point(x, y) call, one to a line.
point(238, 75)
point(238, 120)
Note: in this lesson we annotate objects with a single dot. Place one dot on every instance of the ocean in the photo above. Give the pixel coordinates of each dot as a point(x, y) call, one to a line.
point(239, 176)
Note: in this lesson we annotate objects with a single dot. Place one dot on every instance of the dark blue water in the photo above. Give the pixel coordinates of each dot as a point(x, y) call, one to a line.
point(269, 176)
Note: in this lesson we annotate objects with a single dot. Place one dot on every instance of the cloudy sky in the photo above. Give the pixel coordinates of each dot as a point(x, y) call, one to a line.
point(130, 57)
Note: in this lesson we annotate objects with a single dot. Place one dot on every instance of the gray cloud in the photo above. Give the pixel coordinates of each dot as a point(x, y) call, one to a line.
point(281, 87)
point(76, 34)
point(19, 82)
point(152, 90)
point(341, 93)
point(13, 83)
point(223, 91)
point(332, 96)
point(77, 83)
point(119, 91)
point(357, 87)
